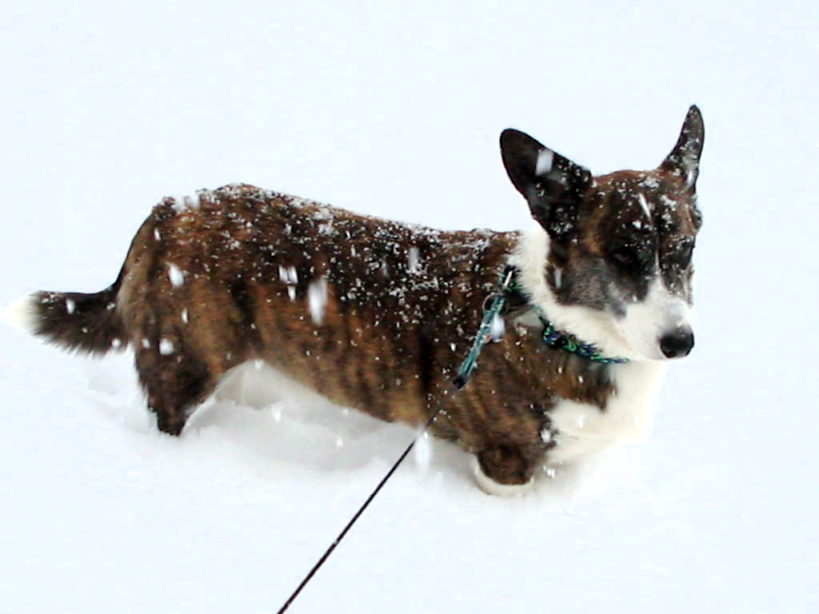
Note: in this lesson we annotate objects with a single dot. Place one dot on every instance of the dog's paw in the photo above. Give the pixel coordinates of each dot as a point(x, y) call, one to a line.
point(491, 487)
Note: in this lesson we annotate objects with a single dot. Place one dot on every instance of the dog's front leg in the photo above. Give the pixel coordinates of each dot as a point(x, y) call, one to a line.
point(507, 470)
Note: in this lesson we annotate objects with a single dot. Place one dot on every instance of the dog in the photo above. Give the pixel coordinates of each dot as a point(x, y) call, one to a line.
point(378, 315)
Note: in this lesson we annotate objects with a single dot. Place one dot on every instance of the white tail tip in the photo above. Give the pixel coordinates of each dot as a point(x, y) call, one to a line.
point(21, 314)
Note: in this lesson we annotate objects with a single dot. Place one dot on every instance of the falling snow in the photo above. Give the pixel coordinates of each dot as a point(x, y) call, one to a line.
point(497, 327)
point(176, 275)
point(423, 451)
point(414, 260)
point(288, 274)
point(545, 157)
point(218, 519)
point(546, 436)
point(317, 299)
point(557, 278)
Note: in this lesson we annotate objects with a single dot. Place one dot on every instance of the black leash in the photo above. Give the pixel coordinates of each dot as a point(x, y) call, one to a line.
point(493, 307)
point(360, 511)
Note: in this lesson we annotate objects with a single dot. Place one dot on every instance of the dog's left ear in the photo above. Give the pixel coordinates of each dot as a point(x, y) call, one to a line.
point(684, 159)
point(552, 184)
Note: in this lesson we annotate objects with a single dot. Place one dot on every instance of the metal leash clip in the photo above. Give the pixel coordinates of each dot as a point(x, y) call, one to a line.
point(494, 306)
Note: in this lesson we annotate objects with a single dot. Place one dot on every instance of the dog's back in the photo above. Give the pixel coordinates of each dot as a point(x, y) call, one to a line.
point(355, 307)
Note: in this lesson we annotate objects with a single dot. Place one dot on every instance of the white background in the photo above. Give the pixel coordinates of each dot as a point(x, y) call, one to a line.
point(395, 111)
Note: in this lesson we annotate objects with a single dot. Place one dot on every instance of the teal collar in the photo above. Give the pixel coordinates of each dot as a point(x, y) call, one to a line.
point(560, 340)
point(563, 341)
point(495, 305)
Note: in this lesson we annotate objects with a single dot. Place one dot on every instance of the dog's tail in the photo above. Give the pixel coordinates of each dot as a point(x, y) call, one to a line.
point(87, 323)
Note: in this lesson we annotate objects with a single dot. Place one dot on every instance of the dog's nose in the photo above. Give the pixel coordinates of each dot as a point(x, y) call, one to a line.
point(678, 343)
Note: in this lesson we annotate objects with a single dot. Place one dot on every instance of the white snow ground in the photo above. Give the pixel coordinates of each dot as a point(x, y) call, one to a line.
point(396, 112)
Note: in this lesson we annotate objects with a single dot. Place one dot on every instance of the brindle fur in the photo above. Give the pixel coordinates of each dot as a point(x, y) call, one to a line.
point(227, 277)
point(402, 305)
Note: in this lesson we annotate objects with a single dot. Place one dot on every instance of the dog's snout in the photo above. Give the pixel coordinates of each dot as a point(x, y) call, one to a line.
point(677, 343)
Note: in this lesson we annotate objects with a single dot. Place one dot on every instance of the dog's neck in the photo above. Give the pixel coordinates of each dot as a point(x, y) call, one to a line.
point(530, 257)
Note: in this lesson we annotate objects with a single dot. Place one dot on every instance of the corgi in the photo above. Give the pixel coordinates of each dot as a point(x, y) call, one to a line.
point(378, 315)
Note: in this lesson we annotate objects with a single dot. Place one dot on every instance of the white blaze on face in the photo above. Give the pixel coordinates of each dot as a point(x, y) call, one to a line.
point(591, 325)
point(636, 335)
point(647, 321)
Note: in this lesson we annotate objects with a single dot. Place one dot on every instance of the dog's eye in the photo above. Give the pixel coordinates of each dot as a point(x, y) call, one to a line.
point(682, 255)
point(625, 257)
point(686, 251)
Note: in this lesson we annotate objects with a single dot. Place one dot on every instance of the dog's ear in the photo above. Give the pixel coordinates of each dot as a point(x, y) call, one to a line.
point(552, 184)
point(684, 159)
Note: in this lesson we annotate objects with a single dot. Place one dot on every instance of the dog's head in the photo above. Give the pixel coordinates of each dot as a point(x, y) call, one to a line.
point(611, 260)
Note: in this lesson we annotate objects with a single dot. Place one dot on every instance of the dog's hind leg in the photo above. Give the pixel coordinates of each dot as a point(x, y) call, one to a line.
point(175, 383)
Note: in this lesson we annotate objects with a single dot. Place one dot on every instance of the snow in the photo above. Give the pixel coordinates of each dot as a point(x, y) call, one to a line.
point(716, 506)
point(176, 276)
point(497, 327)
point(644, 205)
point(317, 299)
point(181, 204)
point(166, 347)
point(289, 275)
point(545, 158)
point(423, 451)
point(414, 260)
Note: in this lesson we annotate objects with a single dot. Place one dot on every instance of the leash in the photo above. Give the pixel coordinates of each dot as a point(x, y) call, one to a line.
point(494, 306)
point(356, 516)
point(497, 301)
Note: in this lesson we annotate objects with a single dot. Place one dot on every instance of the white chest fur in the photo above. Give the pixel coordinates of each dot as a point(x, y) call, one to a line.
point(583, 429)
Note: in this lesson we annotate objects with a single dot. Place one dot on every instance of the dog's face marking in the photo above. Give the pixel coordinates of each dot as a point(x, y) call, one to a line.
point(619, 245)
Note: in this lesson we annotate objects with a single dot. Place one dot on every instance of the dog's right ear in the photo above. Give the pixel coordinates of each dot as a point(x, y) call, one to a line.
point(552, 184)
